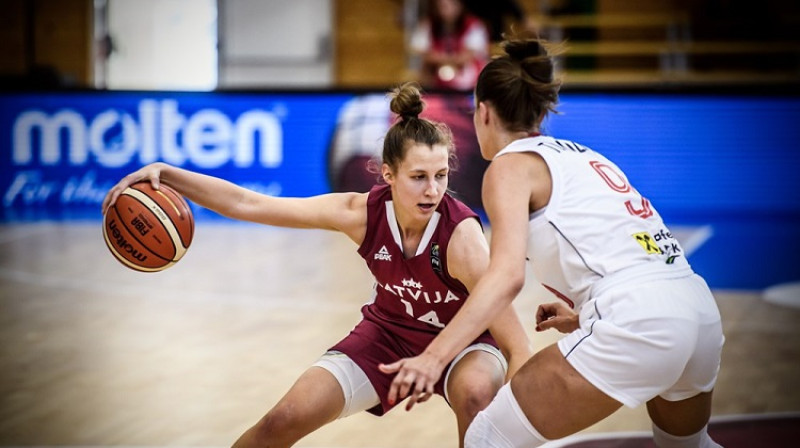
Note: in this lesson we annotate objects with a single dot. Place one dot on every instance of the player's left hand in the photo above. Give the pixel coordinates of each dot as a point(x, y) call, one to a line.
point(556, 315)
point(416, 378)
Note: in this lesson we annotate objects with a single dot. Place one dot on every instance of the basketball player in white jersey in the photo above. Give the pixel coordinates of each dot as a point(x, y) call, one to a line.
point(641, 326)
point(426, 250)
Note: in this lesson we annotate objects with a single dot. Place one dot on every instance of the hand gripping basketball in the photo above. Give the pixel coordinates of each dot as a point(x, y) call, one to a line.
point(146, 229)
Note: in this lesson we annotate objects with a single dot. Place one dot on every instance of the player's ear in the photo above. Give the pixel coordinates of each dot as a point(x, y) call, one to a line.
point(386, 174)
point(483, 112)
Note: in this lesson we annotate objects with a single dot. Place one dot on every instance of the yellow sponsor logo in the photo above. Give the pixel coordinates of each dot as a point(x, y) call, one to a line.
point(647, 242)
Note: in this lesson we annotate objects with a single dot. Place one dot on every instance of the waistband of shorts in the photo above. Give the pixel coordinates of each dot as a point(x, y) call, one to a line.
point(640, 273)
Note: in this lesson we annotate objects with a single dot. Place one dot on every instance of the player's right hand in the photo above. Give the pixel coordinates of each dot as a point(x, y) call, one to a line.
point(416, 378)
point(150, 172)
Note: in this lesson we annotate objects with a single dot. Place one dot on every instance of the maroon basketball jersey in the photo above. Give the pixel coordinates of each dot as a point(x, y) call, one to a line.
point(414, 297)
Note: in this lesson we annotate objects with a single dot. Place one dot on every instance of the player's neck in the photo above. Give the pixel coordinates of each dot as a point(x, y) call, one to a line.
point(410, 234)
point(508, 138)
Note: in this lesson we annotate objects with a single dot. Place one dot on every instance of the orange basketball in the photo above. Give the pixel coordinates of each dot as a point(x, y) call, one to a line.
point(148, 230)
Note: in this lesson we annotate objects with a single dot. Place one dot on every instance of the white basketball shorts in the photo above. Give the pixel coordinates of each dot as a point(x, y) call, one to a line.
point(647, 336)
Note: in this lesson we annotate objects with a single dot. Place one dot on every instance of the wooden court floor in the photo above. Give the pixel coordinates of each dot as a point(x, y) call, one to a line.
point(94, 354)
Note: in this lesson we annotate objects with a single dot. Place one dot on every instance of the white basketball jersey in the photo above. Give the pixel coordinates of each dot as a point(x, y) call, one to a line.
point(595, 224)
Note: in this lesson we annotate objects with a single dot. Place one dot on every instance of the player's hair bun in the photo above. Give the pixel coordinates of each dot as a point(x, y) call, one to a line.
point(407, 101)
point(520, 49)
point(533, 57)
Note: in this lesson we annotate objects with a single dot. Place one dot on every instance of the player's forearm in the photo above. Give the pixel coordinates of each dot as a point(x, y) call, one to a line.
point(512, 340)
point(491, 296)
point(210, 192)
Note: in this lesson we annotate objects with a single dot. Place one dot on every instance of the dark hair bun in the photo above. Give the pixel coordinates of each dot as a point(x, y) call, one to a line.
point(407, 101)
point(533, 56)
point(522, 49)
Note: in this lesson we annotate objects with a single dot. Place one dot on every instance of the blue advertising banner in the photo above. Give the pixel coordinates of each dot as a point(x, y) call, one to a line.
point(721, 169)
point(62, 151)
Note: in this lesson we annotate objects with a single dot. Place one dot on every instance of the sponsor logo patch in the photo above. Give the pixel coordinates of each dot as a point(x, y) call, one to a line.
point(647, 242)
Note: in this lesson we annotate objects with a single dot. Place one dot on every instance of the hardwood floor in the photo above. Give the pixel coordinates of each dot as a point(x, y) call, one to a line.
point(95, 354)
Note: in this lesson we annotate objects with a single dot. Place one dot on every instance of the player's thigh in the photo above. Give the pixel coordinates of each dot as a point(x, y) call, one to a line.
point(556, 398)
point(359, 393)
point(683, 417)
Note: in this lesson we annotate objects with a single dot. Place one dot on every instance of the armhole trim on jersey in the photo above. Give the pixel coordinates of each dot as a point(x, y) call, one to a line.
point(577, 252)
point(369, 234)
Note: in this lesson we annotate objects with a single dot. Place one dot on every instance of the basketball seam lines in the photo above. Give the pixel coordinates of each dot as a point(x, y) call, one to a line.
point(172, 229)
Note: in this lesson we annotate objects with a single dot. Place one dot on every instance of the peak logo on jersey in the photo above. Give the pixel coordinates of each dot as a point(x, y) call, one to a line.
point(647, 242)
point(383, 254)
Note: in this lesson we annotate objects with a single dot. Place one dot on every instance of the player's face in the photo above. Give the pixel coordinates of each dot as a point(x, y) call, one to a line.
point(420, 181)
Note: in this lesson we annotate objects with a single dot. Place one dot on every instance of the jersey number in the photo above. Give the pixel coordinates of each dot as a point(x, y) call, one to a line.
point(430, 317)
point(617, 182)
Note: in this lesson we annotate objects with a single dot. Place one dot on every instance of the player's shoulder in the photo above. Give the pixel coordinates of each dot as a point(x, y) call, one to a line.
point(466, 245)
point(378, 193)
point(357, 201)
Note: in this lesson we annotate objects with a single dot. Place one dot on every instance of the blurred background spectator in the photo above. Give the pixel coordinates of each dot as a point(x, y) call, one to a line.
point(453, 46)
point(502, 16)
point(374, 44)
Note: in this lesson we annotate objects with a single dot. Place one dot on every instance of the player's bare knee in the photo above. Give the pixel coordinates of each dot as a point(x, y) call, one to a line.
point(474, 396)
point(272, 430)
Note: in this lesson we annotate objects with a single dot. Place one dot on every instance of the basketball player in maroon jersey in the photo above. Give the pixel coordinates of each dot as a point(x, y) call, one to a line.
point(425, 249)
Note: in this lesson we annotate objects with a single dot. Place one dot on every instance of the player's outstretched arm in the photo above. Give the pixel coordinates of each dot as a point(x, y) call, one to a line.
point(345, 212)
